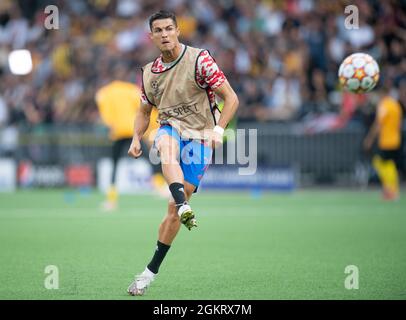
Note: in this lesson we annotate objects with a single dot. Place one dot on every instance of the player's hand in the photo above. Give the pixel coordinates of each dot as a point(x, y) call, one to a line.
point(216, 137)
point(135, 148)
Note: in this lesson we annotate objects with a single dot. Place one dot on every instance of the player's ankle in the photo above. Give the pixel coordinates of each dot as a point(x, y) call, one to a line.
point(182, 208)
point(149, 273)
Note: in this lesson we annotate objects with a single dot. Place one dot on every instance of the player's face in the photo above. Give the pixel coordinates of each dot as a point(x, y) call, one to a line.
point(164, 34)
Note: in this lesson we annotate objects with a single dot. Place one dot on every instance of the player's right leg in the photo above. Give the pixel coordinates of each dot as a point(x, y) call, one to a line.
point(388, 174)
point(168, 143)
point(168, 148)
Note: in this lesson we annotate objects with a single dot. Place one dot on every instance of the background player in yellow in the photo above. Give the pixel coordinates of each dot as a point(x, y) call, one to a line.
point(118, 102)
point(387, 127)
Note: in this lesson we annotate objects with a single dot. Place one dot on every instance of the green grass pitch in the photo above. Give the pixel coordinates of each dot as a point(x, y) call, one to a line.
point(269, 246)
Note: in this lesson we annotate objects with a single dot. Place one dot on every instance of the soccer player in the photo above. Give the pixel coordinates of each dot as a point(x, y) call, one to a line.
point(182, 83)
point(387, 126)
point(118, 102)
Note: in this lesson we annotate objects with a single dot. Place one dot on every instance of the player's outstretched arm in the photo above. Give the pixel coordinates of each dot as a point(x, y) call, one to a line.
point(230, 103)
point(226, 92)
point(141, 124)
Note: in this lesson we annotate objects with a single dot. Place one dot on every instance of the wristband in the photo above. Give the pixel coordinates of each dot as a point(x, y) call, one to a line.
point(219, 130)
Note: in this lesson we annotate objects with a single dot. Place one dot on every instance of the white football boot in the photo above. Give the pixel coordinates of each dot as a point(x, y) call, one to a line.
point(141, 283)
point(187, 216)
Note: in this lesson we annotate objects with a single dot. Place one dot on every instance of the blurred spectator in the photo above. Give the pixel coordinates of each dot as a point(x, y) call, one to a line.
point(283, 56)
point(282, 101)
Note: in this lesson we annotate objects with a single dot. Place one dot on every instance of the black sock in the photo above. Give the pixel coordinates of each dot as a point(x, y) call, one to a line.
point(158, 257)
point(178, 193)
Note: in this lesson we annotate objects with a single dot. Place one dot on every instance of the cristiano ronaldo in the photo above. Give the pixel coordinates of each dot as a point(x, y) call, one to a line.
point(182, 83)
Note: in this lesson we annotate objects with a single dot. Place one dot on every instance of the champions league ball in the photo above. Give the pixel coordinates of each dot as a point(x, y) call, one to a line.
point(358, 73)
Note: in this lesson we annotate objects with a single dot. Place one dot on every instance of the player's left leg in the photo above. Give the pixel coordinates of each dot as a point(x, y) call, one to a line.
point(167, 232)
point(195, 157)
point(391, 180)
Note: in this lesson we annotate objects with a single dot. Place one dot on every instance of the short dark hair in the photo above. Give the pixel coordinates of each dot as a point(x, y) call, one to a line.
point(162, 14)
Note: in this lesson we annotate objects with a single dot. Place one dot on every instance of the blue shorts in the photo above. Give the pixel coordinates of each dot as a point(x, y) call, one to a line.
point(194, 157)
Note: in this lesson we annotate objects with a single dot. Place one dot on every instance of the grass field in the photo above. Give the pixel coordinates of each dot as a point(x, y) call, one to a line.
point(270, 246)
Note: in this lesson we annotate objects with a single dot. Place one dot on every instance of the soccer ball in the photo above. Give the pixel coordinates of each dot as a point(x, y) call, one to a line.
point(358, 73)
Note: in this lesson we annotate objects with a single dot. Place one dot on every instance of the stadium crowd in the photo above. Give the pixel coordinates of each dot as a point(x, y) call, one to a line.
point(281, 57)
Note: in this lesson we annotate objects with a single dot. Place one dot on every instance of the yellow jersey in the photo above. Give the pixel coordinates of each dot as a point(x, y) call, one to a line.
point(118, 103)
point(389, 115)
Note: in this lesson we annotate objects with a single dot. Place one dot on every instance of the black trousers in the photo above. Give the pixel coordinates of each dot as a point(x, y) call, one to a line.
point(120, 148)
